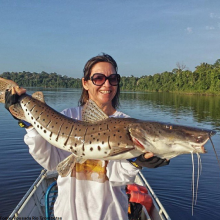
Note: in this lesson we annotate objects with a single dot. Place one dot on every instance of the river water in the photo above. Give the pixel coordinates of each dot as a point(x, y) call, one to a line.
point(172, 183)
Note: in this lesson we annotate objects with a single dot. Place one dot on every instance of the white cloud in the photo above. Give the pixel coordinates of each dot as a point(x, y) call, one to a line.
point(213, 15)
point(209, 28)
point(189, 30)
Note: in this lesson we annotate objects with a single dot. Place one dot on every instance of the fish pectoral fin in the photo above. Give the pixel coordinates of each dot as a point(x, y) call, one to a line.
point(66, 166)
point(17, 111)
point(92, 113)
point(118, 150)
point(138, 138)
point(39, 96)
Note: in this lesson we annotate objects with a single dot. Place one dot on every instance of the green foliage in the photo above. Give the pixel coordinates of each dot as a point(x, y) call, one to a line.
point(205, 79)
point(43, 79)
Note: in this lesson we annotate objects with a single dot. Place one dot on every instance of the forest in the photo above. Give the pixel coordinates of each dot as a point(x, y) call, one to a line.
point(204, 80)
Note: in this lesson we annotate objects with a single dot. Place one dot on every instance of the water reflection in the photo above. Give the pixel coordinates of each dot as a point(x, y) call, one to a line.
point(172, 183)
point(204, 109)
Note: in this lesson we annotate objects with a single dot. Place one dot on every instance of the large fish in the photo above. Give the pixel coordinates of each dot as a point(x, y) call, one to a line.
point(101, 137)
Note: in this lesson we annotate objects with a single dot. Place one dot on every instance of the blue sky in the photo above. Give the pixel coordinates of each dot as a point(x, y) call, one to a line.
point(145, 37)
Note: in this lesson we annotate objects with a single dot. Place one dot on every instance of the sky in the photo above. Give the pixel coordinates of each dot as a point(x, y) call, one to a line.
point(145, 37)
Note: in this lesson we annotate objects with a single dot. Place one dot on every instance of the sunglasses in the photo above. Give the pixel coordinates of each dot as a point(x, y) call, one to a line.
point(99, 79)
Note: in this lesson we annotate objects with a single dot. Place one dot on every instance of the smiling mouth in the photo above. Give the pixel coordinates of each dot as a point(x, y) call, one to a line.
point(105, 92)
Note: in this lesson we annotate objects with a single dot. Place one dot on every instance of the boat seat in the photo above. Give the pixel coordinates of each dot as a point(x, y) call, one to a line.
point(50, 198)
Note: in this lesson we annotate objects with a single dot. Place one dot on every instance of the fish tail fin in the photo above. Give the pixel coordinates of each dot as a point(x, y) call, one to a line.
point(17, 111)
point(4, 85)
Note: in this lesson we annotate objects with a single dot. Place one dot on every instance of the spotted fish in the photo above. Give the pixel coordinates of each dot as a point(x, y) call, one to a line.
point(101, 137)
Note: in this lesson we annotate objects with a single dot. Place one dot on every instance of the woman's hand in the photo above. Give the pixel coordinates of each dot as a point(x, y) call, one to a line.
point(12, 97)
point(148, 160)
point(18, 90)
point(148, 155)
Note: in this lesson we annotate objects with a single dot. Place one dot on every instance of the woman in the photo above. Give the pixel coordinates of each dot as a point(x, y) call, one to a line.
point(96, 188)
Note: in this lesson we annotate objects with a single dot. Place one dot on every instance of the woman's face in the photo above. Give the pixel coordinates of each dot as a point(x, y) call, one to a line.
point(104, 94)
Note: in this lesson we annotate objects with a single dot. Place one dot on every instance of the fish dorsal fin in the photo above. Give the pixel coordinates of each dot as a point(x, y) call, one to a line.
point(39, 96)
point(92, 113)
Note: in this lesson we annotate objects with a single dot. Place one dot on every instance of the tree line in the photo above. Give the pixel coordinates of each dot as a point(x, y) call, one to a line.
point(43, 79)
point(205, 79)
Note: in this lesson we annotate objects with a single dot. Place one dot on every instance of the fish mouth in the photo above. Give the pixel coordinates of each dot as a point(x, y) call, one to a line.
point(200, 149)
point(203, 149)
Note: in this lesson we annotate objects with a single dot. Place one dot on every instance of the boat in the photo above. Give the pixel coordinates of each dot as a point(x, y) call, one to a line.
point(32, 205)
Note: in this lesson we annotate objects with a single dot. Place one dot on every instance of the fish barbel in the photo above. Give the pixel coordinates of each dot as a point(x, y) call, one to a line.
point(101, 137)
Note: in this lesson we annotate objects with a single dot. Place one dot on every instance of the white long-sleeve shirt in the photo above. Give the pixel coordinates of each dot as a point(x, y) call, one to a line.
point(94, 189)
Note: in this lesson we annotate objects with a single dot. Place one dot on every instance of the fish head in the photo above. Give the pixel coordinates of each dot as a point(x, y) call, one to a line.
point(168, 140)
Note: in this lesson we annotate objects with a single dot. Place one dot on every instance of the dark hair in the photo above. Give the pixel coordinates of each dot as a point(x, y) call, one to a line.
point(87, 72)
